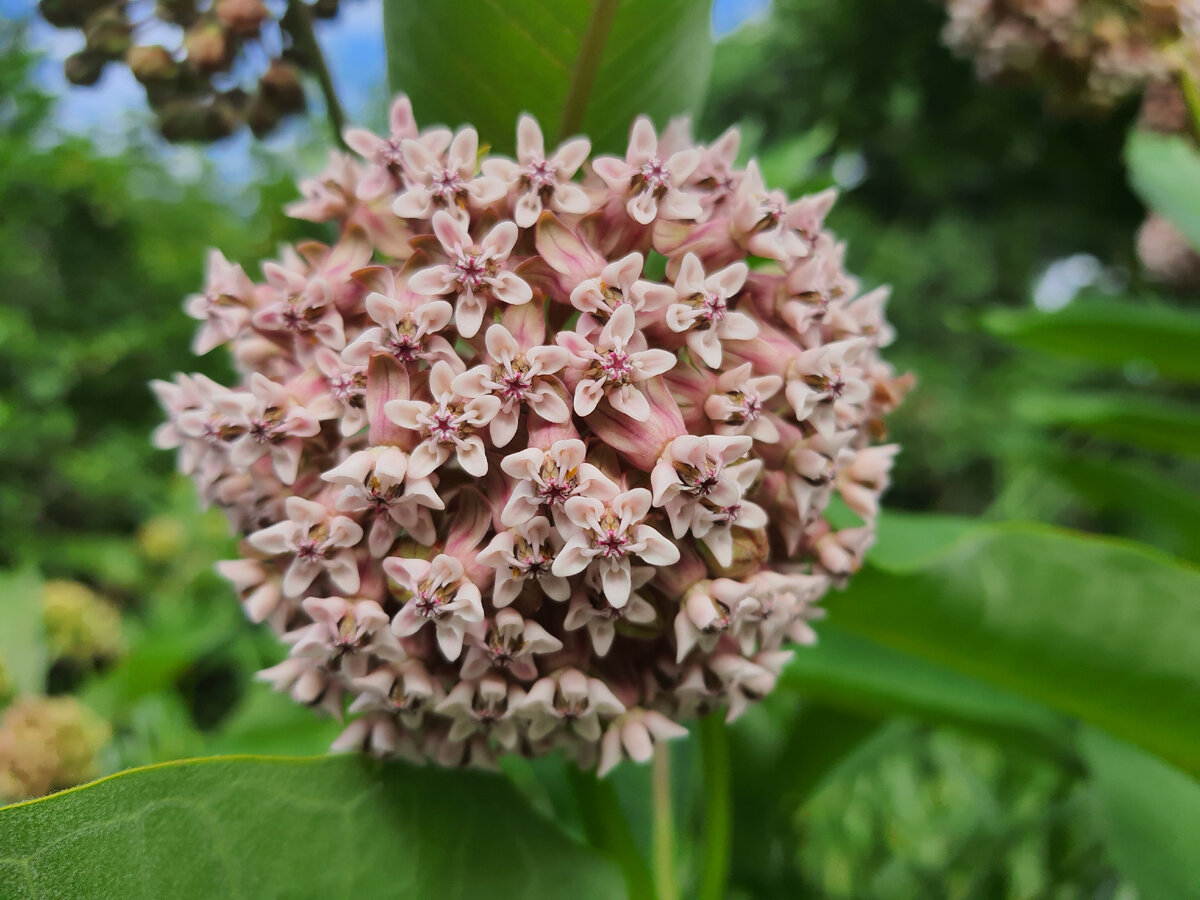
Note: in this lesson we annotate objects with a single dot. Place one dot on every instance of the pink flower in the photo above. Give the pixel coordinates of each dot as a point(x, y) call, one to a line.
point(609, 531)
point(651, 184)
point(317, 541)
point(634, 734)
point(509, 644)
point(437, 592)
point(258, 589)
point(826, 377)
point(449, 423)
point(385, 156)
point(375, 487)
point(692, 474)
point(519, 376)
point(539, 182)
point(786, 603)
point(404, 690)
point(618, 284)
point(589, 609)
point(863, 481)
point(709, 610)
point(702, 309)
point(738, 406)
point(264, 421)
point(486, 706)
point(772, 227)
point(546, 478)
point(523, 553)
point(613, 366)
point(713, 522)
point(444, 180)
point(347, 390)
point(475, 274)
point(344, 634)
point(225, 305)
point(308, 682)
point(406, 326)
point(571, 699)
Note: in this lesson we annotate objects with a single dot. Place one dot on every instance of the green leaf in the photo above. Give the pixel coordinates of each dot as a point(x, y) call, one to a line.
point(855, 672)
point(1150, 813)
point(22, 650)
point(1107, 331)
point(602, 62)
point(274, 827)
point(1104, 630)
point(1134, 419)
point(1165, 172)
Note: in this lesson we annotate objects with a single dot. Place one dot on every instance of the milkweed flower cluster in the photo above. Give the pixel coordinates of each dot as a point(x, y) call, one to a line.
point(537, 454)
point(1091, 53)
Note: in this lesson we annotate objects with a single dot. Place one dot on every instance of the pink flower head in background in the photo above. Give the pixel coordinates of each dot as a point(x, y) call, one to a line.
point(502, 489)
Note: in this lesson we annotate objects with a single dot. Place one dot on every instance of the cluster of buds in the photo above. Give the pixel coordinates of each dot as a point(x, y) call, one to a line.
point(47, 744)
point(233, 62)
point(538, 453)
point(1089, 53)
point(80, 625)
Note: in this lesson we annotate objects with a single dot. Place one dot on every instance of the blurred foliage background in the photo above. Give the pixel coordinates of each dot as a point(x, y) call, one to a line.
point(1000, 227)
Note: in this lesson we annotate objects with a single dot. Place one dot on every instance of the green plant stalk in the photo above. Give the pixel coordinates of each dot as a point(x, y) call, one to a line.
point(718, 802)
point(664, 825)
point(1191, 96)
point(298, 22)
point(591, 50)
point(606, 829)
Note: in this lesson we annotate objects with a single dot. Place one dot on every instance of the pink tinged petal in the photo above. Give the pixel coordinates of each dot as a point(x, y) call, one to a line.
point(550, 406)
point(570, 199)
point(571, 559)
point(412, 204)
point(500, 241)
point(680, 205)
point(501, 346)
point(275, 539)
point(527, 209)
point(530, 144)
point(285, 458)
point(738, 327)
point(548, 358)
point(643, 207)
point(472, 456)
point(509, 288)
point(362, 142)
point(464, 150)
point(658, 551)
point(690, 279)
point(731, 279)
point(425, 459)
point(504, 427)
point(570, 156)
point(441, 379)
point(682, 164)
point(405, 412)
point(615, 172)
point(300, 574)
point(565, 250)
point(617, 582)
point(450, 232)
point(643, 142)
point(628, 400)
point(523, 465)
point(707, 346)
point(432, 282)
point(343, 570)
point(468, 314)
point(588, 394)
point(408, 621)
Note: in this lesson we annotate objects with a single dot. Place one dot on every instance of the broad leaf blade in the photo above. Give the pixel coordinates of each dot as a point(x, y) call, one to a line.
point(1133, 419)
point(462, 62)
point(274, 827)
point(1107, 331)
point(1165, 172)
point(1099, 629)
point(1150, 813)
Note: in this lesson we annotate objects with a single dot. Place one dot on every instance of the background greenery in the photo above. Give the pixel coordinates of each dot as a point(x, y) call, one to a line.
point(1003, 704)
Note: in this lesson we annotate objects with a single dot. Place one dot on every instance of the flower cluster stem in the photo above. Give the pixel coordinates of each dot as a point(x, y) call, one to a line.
point(714, 756)
point(664, 825)
point(298, 21)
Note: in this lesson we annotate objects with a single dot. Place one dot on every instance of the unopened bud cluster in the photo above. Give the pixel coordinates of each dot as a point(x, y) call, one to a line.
point(211, 80)
point(1090, 53)
point(46, 744)
point(530, 459)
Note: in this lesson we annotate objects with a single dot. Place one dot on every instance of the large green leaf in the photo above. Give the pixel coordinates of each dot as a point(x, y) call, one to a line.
point(1099, 629)
point(1140, 420)
point(855, 672)
point(462, 61)
point(22, 649)
point(272, 827)
point(1165, 171)
point(1112, 332)
point(1150, 813)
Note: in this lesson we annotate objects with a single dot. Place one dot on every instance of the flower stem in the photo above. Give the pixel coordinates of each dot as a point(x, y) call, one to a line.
point(1191, 96)
point(606, 829)
point(591, 50)
point(664, 825)
point(298, 22)
point(714, 756)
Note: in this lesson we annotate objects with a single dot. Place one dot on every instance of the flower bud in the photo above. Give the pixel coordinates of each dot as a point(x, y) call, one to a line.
point(280, 85)
point(79, 624)
point(46, 744)
point(108, 33)
point(242, 18)
point(208, 48)
point(151, 64)
point(83, 68)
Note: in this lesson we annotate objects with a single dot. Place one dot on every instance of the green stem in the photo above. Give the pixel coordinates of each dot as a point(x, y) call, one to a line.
point(1191, 96)
point(298, 22)
point(718, 801)
point(664, 825)
point(591, 49)
point(606, 829)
